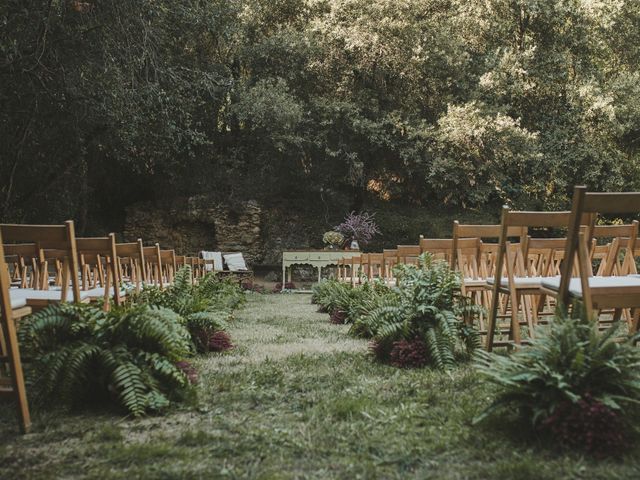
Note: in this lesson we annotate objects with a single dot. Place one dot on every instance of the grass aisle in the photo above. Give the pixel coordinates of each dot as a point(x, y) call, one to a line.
point(298, 398)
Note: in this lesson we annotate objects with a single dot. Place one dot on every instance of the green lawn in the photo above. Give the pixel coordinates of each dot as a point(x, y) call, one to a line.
point(298, 398)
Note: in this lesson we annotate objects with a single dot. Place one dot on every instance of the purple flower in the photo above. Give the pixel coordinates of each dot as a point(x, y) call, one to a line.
point(359, 226)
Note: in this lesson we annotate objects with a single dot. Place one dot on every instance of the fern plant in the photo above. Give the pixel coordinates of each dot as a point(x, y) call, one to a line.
point(81, 354)
point(574, 382)
point(427, 307)
point(206, 307)
point(345, 301)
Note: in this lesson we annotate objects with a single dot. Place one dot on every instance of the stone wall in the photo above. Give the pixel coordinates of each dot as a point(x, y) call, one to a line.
point(261, 232)
point(196, 223)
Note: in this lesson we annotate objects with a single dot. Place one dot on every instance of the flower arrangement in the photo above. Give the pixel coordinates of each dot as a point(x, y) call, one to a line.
point(360, 227)
point(333, 238)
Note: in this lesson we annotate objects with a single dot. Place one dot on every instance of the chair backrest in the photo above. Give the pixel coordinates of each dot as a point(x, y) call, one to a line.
point(439, 248)
point(153, 262)
point(364, 264)
point(484, 233)
point(168, 258)
point(586, 206)
point(25, 259)
point(408, 253)
point(389, 259)
point(10, 345)
point(538, 258)
point(51, 237)
point(356, 267)
point(376, 265)
point(131, 257)
point(621, 238)
point(93, 252)
point(468, 255)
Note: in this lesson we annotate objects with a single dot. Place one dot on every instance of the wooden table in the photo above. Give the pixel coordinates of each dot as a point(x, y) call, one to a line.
point(315, 258)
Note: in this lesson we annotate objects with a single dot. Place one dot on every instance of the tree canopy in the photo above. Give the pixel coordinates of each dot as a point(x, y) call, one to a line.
point(465, 103)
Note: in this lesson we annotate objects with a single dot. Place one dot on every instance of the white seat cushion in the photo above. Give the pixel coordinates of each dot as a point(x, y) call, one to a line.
point(17, 302)
point(217, 260)
point(235, 262)
point(218, 264)
point(475, 282)
point(575, 287)
point(520, 282)
point(52, 295)
point(98, 292)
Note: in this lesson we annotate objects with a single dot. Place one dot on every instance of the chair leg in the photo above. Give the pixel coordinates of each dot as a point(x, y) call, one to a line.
point(17, 375)
point(635, 322)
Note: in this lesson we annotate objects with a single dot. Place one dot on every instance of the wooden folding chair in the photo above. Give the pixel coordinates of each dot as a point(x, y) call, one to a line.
point(597, 293)
point(54, 238)
point(355, 264)
point(365, 267)
point(475, 271)
point(376, 266)
point(12, 386)
point(518, 286)
point(168, 259)
point(153, 267)
point(99, 268)
point(408, 254)
point(25, 260)
point(131, 265)
point(389, 259)
point(344, 275)
point(439, 248)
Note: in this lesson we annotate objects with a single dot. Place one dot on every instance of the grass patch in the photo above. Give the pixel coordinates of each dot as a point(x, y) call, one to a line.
point(298, 398)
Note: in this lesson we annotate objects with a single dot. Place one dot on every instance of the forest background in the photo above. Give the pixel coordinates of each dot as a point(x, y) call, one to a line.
point(422, 110)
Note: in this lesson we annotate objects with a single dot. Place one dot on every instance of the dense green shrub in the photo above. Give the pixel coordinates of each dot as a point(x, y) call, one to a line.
point(426, 307)
point(206, 306)
point(344, 303)
point(467, 103)
point(415, 323)
point(81, 354)
point(578, 385)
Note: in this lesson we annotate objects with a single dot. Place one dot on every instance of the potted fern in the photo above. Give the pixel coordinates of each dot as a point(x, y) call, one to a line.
point(574, 384)
point(420, 323)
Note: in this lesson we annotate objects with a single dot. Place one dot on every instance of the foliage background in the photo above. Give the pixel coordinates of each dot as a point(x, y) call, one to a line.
point(457, 105)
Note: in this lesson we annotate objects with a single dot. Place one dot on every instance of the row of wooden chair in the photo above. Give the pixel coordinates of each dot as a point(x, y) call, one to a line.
point(530, 249)
point(45, 264)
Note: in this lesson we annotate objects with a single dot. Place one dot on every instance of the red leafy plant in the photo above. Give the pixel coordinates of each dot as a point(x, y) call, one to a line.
point(253, 287)
point(209, 340)
point(338, 317)
point(220, 341)
point(587, 425)
point(380, 350)
point(189, 370)
point(409, 353)
point(287, 286)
